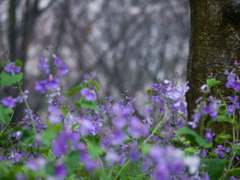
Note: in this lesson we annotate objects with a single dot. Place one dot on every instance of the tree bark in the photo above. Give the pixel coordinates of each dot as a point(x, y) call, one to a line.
point(19, 38)
point(214, 46)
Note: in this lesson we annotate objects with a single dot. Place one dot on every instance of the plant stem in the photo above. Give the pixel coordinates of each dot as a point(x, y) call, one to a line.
point(159, 124)
point(144, 142)
point(145, 173)
point(28, 108)
point(7, 123)
point(101, 164)
point(119, 172)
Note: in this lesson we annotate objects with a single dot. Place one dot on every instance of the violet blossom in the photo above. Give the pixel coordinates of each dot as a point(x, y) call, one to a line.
point(89, 94)
point(12, 68)
point(9, 102)
point(62, 68)
point(44, 65)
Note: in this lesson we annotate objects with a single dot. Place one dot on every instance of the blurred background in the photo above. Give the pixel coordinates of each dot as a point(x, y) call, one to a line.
point(129, 44)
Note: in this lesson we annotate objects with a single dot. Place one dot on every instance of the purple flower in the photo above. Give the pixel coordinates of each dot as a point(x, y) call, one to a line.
point(36, 164)
point(55, 116)
point(155, 86)
point(48, 84)
point(219, 150)
point(89, 94)
point(204, 153)
point(118, 138)
point(19, 99)
point(9, 102)
point(174, 93)
point(62, 68)
point(156, 153)
point(133, 155)
point(209, 136)
point(196, 120)
point(51, 83)
point(119, 122)
point(60, 171)
point(12, 68)
point(235, 104)
point(39, 86)
point(137, 129)
point(111, 157)
point(90, 163)
point(204, 108)
point(233, 80)
point(60, 145)
point(161, 172)
point(44, 65)
point(86, 126)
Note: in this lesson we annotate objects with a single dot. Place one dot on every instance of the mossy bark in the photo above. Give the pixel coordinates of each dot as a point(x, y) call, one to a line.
point(214, 46)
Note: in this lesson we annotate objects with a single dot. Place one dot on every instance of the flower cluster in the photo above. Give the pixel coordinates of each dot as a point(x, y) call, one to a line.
point(99, 138)
point(12, 68)
point(51, 83)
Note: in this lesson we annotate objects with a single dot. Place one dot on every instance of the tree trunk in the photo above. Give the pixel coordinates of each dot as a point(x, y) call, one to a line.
point(19, 38)
point(214, 45)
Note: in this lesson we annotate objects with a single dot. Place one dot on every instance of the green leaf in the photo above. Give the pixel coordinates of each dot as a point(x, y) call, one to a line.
point(50, 133)
point(150, 91)
point(157, 133)
point(236, 149)
point(214, 167)
point(193, 137)
point(7, 133)
point(190, 150)
point(75, 126)
point(7, 79)
point(210, 123)
point(95, 83)
point(94, 150)
point(74, 90)
point(4, 63)
point(235, 172)
point(87, 104)
point(65, 110)
point(49, 168)
point(212, 82)
point(4, 114)
point(222, 118)
point(28, 136)
point(18, 63)
point(72, 160)
point(146, 148)
point(148, 103)
point(221, 138)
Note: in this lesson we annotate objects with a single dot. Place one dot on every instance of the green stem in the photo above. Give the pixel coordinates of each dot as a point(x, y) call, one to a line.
point(119, 172)
point(28, 108)
point(110, 172)
point(145, 173)
point(101, 164)
point(154, 131)
point(144, 142)
point(7, 123)
point(202, 126)
point(222, 98)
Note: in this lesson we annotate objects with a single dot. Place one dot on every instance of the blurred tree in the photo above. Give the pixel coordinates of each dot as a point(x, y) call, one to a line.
point(129, 44)
point(214, 45)
point(22, 16)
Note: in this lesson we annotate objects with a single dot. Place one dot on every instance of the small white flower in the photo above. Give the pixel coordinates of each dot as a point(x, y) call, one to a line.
point(205, 89)
point(192, 163)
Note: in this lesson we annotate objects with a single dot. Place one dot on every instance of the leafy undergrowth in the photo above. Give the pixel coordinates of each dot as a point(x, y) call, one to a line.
point(97, 138)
